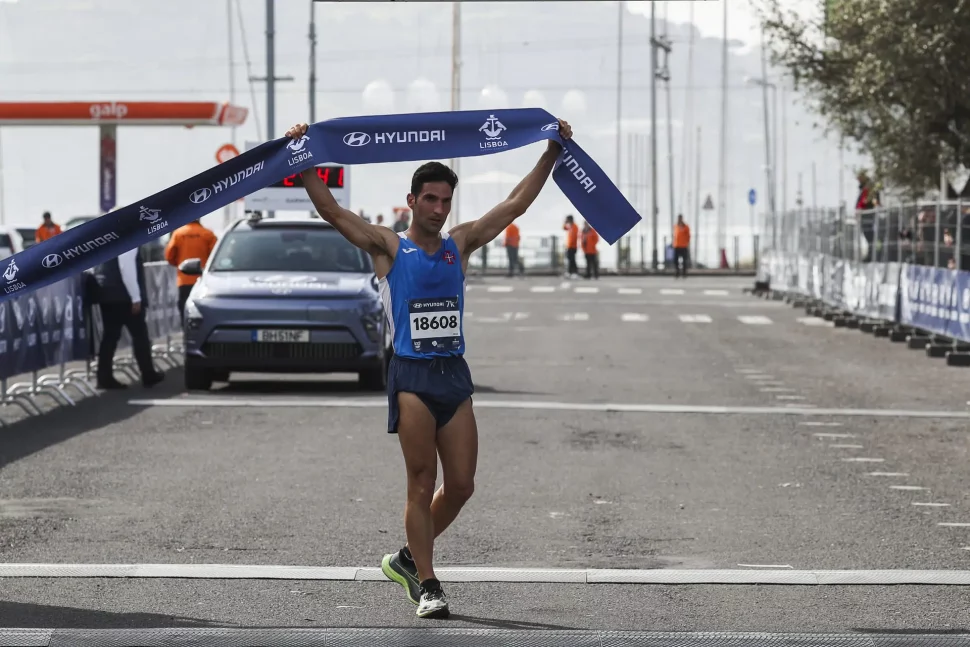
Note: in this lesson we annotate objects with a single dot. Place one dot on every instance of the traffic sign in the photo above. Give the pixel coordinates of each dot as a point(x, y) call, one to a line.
point(708, 204)
point(752, 197)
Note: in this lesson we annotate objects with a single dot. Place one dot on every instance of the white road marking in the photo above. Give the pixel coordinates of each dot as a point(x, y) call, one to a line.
point(824, 435)
point(586, 290)
point(754, 320)
point(671, 291)
point(859, 459)
point(820, 423)
point(908, 488)
point(804, 406)
point(954, 525)
point(695, 318)
point(564, 285)
point(776, 389)
point(543, 405)
point(789, 397)
point(634, 316)
point(630, 291)
point(518, 316)
point(542, 288)
point(716, 293)
point(930, 505)
point(888, 474)
point(748, 370)
point(574, 316)
point(761, 574)
point(759, 376)
point(500, 288)
point(815, 321)
point(837, 446)
point(468, 314)
point(765, 565)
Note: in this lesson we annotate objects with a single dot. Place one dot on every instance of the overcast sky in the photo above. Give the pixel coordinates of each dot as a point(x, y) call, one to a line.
point(383, 57)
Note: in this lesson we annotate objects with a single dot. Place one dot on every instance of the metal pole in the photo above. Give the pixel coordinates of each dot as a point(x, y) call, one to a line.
point(688, 119)
point(456, 86)
point(784, 147)
point(670, 154)
point(697, 197)
point(722, 181)
point(313, 61)
point(619, 88)
point(270, 70)
point(653, 125)
point(227, 211)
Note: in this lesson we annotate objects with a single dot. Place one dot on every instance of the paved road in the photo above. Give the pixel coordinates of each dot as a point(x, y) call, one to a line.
point(268, 471)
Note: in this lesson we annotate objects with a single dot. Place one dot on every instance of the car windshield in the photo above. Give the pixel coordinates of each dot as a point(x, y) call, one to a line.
point(275, 249)
point(29, 236)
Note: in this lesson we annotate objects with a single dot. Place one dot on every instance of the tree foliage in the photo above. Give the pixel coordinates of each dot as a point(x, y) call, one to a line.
point(893, 75)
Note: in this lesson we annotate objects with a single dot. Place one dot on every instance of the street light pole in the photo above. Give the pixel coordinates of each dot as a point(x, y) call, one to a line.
point(313, 61)
point(653, 125)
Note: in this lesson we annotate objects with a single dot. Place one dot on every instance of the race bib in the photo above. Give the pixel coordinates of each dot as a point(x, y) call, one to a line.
point(435, 324)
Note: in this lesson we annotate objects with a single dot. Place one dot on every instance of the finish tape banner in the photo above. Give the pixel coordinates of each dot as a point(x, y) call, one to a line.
point(347, 140)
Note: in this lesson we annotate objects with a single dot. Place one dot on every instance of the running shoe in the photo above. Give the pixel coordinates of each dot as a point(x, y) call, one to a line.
point(433, 603)
point(397, 570)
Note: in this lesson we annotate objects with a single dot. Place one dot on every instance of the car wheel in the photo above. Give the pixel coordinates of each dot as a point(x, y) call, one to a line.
point(196, 378)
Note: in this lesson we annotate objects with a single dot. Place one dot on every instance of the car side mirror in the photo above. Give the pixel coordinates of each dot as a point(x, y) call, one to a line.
point(191, 266)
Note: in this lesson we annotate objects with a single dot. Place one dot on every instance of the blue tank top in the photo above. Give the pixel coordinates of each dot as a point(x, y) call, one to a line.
point(424, 299)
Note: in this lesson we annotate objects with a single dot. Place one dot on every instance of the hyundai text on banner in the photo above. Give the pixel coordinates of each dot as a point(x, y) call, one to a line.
point(348, 140)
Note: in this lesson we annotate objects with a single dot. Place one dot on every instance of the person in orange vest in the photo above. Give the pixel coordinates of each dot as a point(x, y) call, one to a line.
point(191, 241)
point(572, 242)
point(48, 229)
point(590, 238)
point(681, 246)
point(512, 239)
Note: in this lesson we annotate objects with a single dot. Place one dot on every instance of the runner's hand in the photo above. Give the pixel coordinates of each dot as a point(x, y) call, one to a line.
point(296, 131)
point(565, 130)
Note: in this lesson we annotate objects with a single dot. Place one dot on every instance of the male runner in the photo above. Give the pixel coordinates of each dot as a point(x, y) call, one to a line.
point(421, 275)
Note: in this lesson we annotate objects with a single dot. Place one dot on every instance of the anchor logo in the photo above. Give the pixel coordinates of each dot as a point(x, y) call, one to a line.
point(11, 273)
point(492, 128)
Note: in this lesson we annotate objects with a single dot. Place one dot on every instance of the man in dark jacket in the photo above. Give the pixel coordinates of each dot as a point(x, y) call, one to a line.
point(123, 301)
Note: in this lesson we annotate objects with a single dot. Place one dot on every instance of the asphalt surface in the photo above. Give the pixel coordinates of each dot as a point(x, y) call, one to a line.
point(107, 482)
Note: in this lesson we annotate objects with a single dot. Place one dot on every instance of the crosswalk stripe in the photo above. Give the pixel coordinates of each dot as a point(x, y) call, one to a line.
point(754, 320)
point(716, 293)
point(542, 288)
point(671, 291)
point(815, 321)
point(630, 291)
point(586, 290)
point(695, 318)
point(500, 288)
point(634, 316)
point(574, 316)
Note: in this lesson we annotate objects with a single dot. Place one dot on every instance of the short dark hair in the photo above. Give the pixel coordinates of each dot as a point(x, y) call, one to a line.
point(432, 172)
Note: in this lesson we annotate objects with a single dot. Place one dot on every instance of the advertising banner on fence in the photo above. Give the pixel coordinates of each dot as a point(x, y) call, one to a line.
point(936, 300)
point(42, 329)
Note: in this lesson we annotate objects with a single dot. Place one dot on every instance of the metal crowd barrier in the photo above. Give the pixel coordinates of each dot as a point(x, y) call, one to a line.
point(54, 326)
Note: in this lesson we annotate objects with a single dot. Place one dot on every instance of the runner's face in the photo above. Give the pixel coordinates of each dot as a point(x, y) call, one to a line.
point(432, 206)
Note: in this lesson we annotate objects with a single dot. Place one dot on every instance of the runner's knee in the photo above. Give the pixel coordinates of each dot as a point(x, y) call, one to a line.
point(460, 490)
point(421, 482)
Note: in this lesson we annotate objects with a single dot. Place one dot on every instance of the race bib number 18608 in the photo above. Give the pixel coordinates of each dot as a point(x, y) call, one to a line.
point(435, 324)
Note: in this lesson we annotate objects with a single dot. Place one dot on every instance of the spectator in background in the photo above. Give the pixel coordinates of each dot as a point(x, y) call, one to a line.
point(681, 246)
point(590, 239)
point(402, 223)
point(572, 243)
point(380, 219)
point(123, 300)
point(48, 229)
point(512, 239)
point(191, 241)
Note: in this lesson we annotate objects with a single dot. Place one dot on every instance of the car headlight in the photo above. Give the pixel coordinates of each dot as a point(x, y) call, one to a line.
point(372, 324)
point(193, 316)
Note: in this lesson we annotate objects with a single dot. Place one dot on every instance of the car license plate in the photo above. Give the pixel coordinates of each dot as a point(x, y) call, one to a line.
point(282, 336)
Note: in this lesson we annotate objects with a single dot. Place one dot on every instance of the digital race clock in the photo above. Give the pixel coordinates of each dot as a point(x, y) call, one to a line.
point(289, 193)
point(332, 176)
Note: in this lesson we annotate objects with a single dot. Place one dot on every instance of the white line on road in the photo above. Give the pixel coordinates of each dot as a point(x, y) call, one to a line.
point(815, 321)
point(776, 389)
point(754, 320)
point(888, 474)
point(823, 435)
point(671, 291)
point(931, 505)
point(634, 316)
point(908, 488)
point(954, 525)
point(761, 575)
point(379, 403)
point(574, 316)
point(542, 288)
point(765, 565)
point(500, 288)
point(630, 291)
point(586, 290)
point(716, 293)
point(820, 423)
point(859, 459)
point(842, 446)
point(789, 397)
point(758, 376)
point(695, 318)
